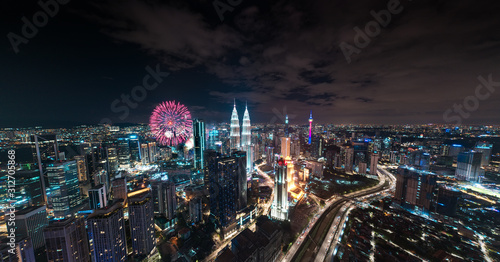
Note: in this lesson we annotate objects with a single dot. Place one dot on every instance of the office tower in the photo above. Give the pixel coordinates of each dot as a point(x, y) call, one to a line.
point(107, 237)
point(199, 143)
point(310, 127)
point(295, 148)
point(227, 187)
point(23, 250)
point(119, 187)
point(348, 158)
point(81, 166)
point(362, 168)
point(447, 201)
point(455, 149)
point(415, 188)
point(270, 155)
point(285, 148)
point(279, 208)
point(141, 218)
point(164, 198)
point(30, 222)
point(98, 197)
point(113, 163)
point(123, 152)
point(144, 154)
point(286, 126)
point(485, 148)
point(44, 148)
point(374, 163)
point(153, 152)
point(213, 138)
point(469, 166)
point(235, 130)
point(195, 210)
point(64, 190)
point(28, 187)
point(316, 168)
point(420, 159)
point(317, 147)
point(66, 240)
point(246, 131)
point(135, 148)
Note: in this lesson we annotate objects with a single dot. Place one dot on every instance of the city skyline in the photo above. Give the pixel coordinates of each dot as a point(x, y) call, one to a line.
point(410, 72)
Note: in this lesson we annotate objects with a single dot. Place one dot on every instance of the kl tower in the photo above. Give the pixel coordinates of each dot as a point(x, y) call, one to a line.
point(310, 126)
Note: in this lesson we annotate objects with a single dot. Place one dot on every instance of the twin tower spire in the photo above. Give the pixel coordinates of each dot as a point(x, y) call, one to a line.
point(236, 142)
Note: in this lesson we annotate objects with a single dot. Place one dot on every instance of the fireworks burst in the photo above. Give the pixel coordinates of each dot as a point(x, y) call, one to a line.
point(171, 123)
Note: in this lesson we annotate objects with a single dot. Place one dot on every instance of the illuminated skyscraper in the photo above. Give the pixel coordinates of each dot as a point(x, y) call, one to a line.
point(485, 148)
point(106, 230)
point(286, 126)
point(66, 240)
point(64, 190)
point(310, 127)
point(141, 218)
point(235, 129)
point(374, 163)
point(469, 166)
point(279, 208)
point(285, 148)
point(246, 139)
point(199, 143)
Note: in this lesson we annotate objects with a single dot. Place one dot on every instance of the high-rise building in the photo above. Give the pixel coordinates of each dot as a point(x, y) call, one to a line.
point(107, 237)
point(113, 163)
point(81, 164)
point(199, 138)
point(415, 188)
point(246, 140)
point(469, 166)
point(485, 148)
point(213, 138)
point(28, 187)
point(141, 218)
point(98, 197)
point(64, 190)
point(235, 130)
point(362, 168)
point(285, 148)
point(195, 210)
point(30, 222)
point(144, 154)
point(447, 201)
point(123, 152)
point(119, 187)
point(135, 148)
point(279, 207)
point(287, 134)
point(66, 240)
point(348, 157)
point(227, 186)
point(23, 251)
point(374, 163)
point(164, 198)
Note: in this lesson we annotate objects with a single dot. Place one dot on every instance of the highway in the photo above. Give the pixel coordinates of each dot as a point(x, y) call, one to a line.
point(329, 220)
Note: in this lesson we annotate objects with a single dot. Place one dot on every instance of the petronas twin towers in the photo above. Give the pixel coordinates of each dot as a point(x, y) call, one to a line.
point(240, 141)
point(243, 141)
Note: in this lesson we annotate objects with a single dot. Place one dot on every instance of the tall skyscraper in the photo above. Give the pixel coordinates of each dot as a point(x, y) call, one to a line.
point(141, 217)
point(113, 164)
point(195, 210)
point(485, 148)
point(469, 166)
point(285, 148)
point(106, 229)
point(246, 140)
point(81, 164)
point(98, 197)
point(124, 152)
point(415, 188)
point(199, 143)
point(30, 222)
point(144, 154)
point(119, 187)
point(64, 190)
point(66, 240)
point(227, 186)
point(310, 127)
point(286, 126)
point(279, 208)
point(164, 198)
point(235, 130)
point(374, 163)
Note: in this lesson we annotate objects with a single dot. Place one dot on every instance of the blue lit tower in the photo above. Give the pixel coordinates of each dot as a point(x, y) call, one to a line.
point(279, 208)
point(310, 127)
point(246, 134)
point(235, 129)
point(199, 143)
point(286, 125)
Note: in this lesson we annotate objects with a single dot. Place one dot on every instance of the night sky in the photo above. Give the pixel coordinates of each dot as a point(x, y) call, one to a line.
point(279, 56)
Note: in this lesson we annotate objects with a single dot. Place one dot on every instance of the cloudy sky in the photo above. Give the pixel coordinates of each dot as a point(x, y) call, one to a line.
point(279, 56)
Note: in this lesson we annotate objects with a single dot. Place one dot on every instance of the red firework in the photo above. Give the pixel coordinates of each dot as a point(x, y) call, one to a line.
point(171, 123)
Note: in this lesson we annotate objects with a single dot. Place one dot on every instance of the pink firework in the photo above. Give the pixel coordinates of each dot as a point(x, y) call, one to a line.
point(171, 123)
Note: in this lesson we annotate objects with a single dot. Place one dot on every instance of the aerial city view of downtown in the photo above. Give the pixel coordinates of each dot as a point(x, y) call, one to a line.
point(250, 131)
